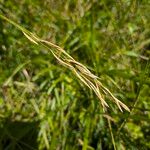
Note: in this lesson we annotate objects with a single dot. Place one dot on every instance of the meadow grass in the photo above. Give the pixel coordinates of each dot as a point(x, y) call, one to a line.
point(46, 106)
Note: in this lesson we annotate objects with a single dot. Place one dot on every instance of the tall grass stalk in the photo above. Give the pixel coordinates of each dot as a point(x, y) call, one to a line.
point(88, 78)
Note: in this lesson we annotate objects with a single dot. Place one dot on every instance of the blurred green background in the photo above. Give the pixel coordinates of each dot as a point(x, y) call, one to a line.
point(44, 106)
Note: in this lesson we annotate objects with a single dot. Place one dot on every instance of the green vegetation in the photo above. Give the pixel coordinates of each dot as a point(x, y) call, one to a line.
point(48, 100)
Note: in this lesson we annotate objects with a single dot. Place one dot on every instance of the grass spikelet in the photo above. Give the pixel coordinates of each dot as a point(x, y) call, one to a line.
point(85, 76)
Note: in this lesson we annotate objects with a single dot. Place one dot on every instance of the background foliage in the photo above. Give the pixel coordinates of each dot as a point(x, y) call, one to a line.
point(44, 106)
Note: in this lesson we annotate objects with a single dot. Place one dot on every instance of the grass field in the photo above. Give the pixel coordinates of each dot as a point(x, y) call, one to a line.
point(62, 62)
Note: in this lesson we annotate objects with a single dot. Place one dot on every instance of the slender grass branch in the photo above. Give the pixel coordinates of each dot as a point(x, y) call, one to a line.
point(88, 78)
point(112, 136)
point(136, 100)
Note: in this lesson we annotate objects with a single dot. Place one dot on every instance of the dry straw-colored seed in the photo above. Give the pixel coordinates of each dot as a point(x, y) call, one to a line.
point(85, 76)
